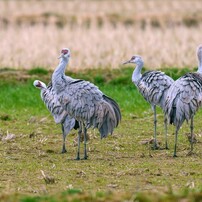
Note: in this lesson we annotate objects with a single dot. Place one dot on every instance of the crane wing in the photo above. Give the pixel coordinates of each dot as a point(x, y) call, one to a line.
point(153, 86)
point(184, 98)
point(50, 99)
point(68, 124)
point(79, 99)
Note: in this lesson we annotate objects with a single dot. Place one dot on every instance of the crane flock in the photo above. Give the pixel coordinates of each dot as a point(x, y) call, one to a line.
point(76, 103)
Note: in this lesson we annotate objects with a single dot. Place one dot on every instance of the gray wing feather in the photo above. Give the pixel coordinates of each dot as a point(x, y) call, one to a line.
point(79, 99)
point(86, 103)
point(49, 97)
point(184, 98)
point(68, 124)
point(154, 86)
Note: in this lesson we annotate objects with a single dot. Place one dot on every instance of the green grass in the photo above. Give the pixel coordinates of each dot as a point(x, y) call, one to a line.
point(38, 71)
point(119, 167)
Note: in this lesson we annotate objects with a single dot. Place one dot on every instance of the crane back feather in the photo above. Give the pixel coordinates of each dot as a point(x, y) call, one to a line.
point(86, 103)
point(184, 98)
point(154, 85)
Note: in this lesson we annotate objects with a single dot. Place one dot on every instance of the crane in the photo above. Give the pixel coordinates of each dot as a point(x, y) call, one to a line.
point(153, 85)
point(183, 100)
point(49, 97)
point(84, 102)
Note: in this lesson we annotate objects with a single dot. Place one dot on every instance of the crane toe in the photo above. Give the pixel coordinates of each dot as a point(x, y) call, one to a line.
point(155, 147)
point(63, 151)
point(190, 153)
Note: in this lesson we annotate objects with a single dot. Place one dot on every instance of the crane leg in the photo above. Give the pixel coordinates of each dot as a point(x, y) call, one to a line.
point(192, 134)
point(155, 121)
point(79, 138)
point(64, 137)
point(166, 131)
point(85, 140)
point(175, 147)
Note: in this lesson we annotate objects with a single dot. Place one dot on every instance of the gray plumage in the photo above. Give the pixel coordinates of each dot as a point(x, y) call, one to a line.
point(153, 85)
point(84, 102)
point(48, 96)
point(184, 98)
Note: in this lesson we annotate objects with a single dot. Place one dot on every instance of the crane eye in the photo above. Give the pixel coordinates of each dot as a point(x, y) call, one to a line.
point(133, 58)
point(38, 84)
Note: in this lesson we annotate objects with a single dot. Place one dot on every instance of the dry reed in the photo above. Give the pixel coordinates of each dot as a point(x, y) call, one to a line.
point(99, 33)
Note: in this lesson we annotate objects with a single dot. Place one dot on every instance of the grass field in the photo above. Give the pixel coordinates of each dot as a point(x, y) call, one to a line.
point(120, 167)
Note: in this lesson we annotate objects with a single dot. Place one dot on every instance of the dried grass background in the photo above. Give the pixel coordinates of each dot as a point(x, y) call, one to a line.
point(100, 33)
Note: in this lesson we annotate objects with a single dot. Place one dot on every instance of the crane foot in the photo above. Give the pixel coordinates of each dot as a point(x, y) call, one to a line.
point(166, 148)
point(77, 158)
point(155, 147)
point(190, 153)
point(63, 151)
point(174, 155)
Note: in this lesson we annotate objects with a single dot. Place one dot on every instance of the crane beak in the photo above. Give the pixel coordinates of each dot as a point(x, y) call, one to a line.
point(126, 62)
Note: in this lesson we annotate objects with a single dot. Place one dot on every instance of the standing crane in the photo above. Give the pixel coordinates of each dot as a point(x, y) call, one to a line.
point(48, 96)
point(183, 100)
point(153, 85)
point(84, 102)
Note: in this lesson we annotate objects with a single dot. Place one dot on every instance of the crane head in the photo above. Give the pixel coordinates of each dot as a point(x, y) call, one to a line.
point(134, 59)
point(65, 53)
point(39, 84)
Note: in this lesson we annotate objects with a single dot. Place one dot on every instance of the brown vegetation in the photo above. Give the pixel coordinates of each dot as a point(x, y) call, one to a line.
point(99, 33)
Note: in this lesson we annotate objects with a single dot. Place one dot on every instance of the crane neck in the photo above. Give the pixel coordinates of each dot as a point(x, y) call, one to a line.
point(60, 69)
point(199, 54)
point(136, 76)
point(59, 73)
point(200, 66)
point(43, 91)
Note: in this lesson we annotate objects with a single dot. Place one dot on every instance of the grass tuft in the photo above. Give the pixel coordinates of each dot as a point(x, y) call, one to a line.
point(38, 71)
point(71, 192)
point(5, 117)
point(31, 199)
point(99, 79)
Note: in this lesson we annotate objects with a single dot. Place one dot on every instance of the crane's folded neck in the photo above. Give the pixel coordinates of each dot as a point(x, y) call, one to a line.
point(136, 76)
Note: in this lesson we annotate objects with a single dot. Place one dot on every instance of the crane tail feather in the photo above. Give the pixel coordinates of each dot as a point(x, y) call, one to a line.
point(115, 107)
point(109, 118)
